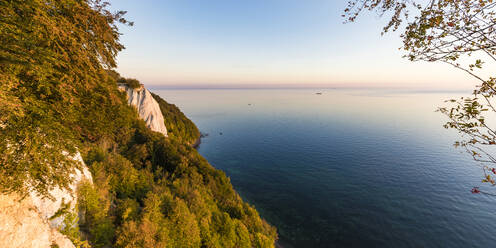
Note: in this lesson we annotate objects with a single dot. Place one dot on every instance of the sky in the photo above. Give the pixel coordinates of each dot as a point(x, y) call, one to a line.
point(268, 43)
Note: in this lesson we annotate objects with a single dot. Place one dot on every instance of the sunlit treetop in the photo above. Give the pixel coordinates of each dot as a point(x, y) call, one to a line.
point(52, 53)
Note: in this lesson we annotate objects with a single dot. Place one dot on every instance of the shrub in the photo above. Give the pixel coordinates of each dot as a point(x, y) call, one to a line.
point(131, 82)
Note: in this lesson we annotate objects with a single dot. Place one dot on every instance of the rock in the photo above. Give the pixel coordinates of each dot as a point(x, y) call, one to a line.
point(148, 108)
point(47, 207)
point(26, 222)
point(23, 226)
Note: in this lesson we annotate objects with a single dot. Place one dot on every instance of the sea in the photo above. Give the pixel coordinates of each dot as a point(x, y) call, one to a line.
point(345, 167)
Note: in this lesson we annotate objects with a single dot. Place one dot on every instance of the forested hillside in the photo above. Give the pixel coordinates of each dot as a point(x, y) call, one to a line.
point(59, 94)
point(178, 125)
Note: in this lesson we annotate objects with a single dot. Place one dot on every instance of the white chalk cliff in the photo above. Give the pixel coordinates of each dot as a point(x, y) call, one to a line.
point(148, 108)
point(27, 222)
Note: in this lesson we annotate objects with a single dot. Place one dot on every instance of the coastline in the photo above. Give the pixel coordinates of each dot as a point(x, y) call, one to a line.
point(279, 243)
point(282, 243)
point(197, 143)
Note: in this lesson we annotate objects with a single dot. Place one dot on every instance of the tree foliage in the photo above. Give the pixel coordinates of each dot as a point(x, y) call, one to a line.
point(461, 34)
point(51, 53)
point(155, 192)
point(59, 94)
point(178, 125)
point(131, 82)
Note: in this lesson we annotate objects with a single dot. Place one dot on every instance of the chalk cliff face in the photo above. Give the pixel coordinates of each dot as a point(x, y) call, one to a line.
point(27, 222)
point(148, 108)
point(47, 208)
point(30, 222)
point(23, 226)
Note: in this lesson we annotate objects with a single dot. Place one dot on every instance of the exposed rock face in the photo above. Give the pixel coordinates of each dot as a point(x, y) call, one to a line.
point(148, 108)
point(23, 226)
point(27, 223)
point(47, 208)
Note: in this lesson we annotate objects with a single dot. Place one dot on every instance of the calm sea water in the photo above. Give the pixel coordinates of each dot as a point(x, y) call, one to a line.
point(348, 168)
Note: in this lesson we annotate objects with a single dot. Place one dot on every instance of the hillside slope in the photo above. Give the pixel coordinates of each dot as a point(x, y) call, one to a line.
point(35, 221)
point(59, 95)
point(178, 125)
point(148, 109)
point(157, 192)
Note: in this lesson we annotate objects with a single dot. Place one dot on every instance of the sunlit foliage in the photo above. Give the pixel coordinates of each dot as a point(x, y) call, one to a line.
point(178, 126)
point(162, 193)
point(131, 82)
point(59, 94)
point(51, 54)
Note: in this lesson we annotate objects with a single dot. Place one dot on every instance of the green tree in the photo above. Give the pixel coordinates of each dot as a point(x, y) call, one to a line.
point(51, 53)
point(59, 94)
point(461, 34)
point(178, 125)
point(131, 82)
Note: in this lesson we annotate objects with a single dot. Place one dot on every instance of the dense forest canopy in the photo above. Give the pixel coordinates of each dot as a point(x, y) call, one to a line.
point(52, 54)
point(59, 95)
point(178, 125)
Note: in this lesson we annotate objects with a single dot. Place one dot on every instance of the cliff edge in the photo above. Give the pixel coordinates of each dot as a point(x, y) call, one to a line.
point(148, 109)
point(34, 221)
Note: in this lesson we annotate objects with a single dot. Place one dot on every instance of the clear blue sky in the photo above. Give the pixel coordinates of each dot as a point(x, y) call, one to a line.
point(267, 42)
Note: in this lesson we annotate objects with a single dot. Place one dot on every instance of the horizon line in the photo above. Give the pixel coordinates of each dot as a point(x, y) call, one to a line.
point(302, 86)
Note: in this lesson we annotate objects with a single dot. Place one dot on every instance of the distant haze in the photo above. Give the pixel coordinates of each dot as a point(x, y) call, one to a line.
point(268, 43)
